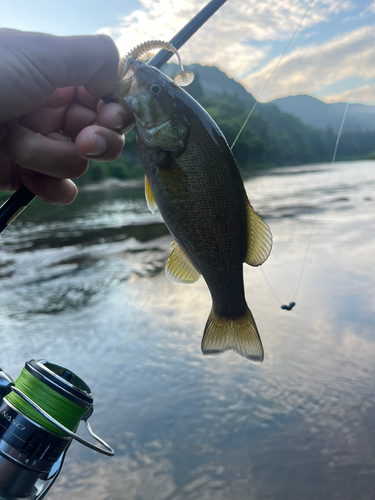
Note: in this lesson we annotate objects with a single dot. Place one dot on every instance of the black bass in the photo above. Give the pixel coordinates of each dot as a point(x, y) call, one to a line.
point(193, 178)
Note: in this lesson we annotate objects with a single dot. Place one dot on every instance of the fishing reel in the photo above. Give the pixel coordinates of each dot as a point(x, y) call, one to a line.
point(39, 415)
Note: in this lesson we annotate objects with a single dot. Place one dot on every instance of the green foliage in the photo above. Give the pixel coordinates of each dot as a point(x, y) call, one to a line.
point(274, 138)
point(122, 168)
point(195, 88)
point(97, 171)
point(270, 138)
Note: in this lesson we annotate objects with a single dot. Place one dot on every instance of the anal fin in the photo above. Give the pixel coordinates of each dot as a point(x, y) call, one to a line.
point(151, 203)
point(179, 268)
point(259, 238)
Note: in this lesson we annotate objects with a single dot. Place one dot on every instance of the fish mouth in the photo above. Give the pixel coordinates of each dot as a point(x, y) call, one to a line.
point(128, 85)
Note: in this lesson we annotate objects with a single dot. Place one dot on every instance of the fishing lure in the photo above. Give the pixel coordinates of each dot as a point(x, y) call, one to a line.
point(183, 78)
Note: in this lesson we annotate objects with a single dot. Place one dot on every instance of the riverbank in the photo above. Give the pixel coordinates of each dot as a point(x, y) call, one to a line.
point(112, 184)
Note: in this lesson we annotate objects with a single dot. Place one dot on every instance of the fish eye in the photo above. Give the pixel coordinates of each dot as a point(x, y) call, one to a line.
point(156, 89)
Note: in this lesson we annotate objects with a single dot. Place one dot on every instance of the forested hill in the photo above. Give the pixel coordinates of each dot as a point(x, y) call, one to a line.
point(270, 138)
point(322, 115)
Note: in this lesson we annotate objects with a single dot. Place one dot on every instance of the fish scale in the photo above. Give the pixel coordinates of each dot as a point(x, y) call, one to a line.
point(193, 178)
point(219, 232)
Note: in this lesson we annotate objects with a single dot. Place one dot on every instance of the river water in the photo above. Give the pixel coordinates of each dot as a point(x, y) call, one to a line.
point(184, 427)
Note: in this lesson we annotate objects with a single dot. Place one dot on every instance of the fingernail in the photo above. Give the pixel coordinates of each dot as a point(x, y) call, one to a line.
point(117, 122)
point(98, 146)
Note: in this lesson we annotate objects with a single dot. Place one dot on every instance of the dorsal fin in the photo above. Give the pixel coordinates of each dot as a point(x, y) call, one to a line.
point(259, 238)
point(151, 203)
point(179, 268)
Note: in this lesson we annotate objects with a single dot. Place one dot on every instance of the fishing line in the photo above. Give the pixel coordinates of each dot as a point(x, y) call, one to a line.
point(271, 75)
point(270, 286)
point(337, 142)
point(292, 304)
point(58, 406)
point(120, 348)
point(353, 85)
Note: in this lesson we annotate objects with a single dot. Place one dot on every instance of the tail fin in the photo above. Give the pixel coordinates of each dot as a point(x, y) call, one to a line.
point(239, 335)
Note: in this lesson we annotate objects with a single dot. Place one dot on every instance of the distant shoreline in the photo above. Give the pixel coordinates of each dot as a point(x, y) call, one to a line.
point(112, 184)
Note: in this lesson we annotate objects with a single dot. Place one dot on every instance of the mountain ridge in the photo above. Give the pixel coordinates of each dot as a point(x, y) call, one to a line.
point(322, 115)
point(310, 110)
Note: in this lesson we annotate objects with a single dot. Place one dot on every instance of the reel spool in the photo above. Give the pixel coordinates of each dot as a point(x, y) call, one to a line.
point(39, 416)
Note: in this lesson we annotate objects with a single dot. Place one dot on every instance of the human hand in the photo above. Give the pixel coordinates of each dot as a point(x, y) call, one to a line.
point(51, 118)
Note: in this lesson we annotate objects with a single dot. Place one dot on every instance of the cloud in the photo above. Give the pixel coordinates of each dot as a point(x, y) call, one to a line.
point(365, 95)
point(226, 39)
point(316, 67)
point(241, 37)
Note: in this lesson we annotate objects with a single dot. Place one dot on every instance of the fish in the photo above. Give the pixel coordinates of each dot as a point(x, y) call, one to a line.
point(192, 177)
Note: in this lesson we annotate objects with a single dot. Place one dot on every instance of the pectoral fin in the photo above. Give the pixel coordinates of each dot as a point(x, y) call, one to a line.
point(259, 238)
point(179, 268)
point(151, 203)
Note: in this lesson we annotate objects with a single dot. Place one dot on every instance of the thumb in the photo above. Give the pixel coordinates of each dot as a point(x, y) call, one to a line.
point(34, 64)
point(90, 61)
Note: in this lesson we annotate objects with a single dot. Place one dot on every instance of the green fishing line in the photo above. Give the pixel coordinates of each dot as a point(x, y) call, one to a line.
point(60, 408)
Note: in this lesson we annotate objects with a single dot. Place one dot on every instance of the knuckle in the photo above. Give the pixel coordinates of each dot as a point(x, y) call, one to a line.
point(109, 47)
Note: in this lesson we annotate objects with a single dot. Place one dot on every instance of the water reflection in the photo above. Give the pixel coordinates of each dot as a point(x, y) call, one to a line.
point(187, 427)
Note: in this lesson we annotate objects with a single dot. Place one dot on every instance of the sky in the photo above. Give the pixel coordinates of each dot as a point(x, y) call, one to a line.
point(330, 57)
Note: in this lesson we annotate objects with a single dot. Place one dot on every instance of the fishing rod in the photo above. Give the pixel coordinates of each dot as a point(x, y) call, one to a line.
point(17, 203)
point(41, 411)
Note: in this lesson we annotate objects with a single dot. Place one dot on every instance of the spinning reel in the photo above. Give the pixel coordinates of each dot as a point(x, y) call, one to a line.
point(39, 416)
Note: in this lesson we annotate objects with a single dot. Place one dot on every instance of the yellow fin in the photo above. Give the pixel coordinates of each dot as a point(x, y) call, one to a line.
point(260, 238)
point(239, 335)
point(179, 268)
point(151, 203)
